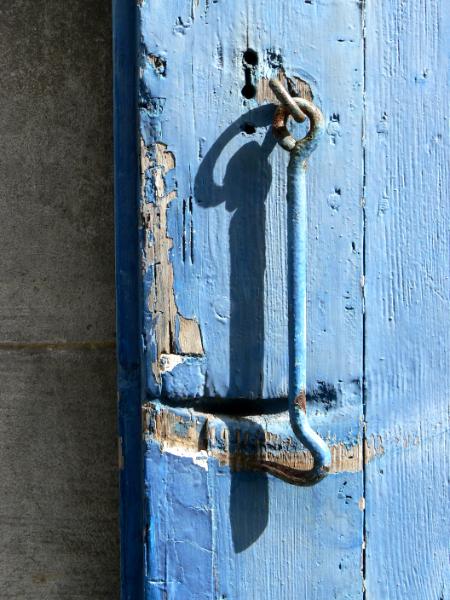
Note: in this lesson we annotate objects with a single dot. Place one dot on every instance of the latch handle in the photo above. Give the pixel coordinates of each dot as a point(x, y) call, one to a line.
point(299, 151)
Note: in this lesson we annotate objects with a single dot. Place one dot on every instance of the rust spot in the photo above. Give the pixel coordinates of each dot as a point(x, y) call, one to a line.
point(280, 118)
point(297, 88)
point(300, 401)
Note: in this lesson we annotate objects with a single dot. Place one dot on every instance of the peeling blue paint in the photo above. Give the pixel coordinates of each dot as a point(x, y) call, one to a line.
point(210, 526)
point(186, 380)
point(216, 525)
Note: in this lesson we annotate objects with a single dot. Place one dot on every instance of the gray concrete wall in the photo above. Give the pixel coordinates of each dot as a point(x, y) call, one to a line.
point(58, 456)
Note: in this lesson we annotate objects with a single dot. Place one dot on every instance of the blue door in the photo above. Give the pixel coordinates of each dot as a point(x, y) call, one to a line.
point(215, 502)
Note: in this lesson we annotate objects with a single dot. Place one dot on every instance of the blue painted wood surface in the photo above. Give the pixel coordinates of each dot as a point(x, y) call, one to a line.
point(408, 298)
point(223, 189)
point(128, 300)
point(224, 197)
point(213, 301)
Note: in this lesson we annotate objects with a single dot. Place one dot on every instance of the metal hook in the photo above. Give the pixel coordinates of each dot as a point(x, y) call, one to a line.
point(297, 237)
point(307, 144)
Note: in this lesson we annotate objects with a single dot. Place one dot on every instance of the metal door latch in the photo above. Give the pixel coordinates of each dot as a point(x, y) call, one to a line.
point(299, 151)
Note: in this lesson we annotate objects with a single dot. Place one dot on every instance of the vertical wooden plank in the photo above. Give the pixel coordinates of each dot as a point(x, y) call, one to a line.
point(278, 541)
point(213, 212)
point(128, 299)
point(214, 530)
point(179, 560)
point(407, 298)
point(213, 254)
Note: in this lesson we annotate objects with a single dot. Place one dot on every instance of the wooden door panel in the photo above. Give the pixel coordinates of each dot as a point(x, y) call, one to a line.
point(217, 526)
point(203, 319)
point(407, 298)
point(216, 533)
point(214, 212)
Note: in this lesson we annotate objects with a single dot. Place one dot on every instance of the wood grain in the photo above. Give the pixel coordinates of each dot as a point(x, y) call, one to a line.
point(378, 299)
point(407, 297)
point(213, 532)
point(226, 220)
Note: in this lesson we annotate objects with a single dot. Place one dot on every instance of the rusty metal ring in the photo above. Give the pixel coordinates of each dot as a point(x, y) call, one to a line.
point(283, 135)
point(287, 100)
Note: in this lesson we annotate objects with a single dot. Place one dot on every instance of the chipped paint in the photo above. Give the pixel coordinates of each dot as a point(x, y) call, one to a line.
point(199, 458)
point(216, 527)
point(156, 163)
point(246, 444)
point(158, 63)
point(189, 337)
point(168, 362)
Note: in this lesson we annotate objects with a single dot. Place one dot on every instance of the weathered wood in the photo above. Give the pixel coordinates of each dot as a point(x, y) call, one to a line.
point(246, 443)
point(214, 247)
point(214, 212)
point(407, 297)
point(128, 297)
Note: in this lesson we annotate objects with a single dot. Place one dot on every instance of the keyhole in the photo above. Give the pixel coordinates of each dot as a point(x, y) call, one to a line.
point(250, 60)
point(251, 57)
